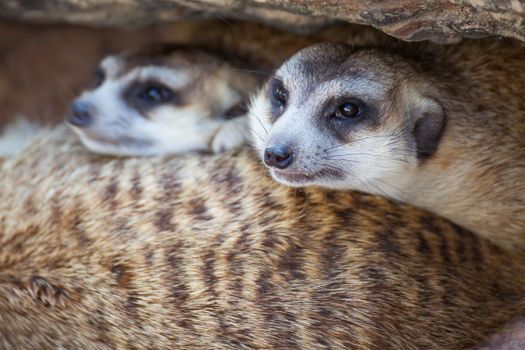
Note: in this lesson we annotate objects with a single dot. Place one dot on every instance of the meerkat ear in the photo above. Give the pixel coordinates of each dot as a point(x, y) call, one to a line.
point(429, 123)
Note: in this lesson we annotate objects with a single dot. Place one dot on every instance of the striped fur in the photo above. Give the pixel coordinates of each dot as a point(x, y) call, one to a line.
point(206, 252)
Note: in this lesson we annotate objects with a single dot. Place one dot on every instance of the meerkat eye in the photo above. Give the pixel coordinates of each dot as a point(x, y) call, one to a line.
point(156, 94)
point(150, 94)
point(278, 97)
point(98, 78)
point(281, 95)
point(349, 109)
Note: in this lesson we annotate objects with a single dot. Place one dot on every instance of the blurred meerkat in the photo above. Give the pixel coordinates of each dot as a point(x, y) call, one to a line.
point(201, 251)
point(36, 96)
point(443, 130)
point(163, 99)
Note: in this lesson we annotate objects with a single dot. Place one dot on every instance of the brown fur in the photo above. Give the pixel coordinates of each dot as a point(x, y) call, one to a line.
point(41, 90)
point(207, 252)
point(472, 170)
point(481, 156)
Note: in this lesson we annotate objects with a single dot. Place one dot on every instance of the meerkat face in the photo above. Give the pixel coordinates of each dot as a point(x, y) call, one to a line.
point(339, 119)
point(155, 102)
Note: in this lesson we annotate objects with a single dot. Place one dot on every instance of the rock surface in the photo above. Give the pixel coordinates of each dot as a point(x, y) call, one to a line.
point(443, 21)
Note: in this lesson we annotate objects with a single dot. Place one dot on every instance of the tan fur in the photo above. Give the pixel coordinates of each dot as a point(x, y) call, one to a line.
point(208, 252)
point(475, 177)
point(481, 158)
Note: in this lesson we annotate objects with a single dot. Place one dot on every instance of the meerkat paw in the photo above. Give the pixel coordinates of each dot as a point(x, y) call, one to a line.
point(231, 135)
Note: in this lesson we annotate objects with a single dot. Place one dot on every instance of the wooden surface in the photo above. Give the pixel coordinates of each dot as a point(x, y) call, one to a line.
point(443, 21)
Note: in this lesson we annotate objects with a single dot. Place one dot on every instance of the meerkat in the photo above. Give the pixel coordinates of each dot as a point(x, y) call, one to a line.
point(214, 89)
point(445, 133)
point(163, 99)
point(205, 251)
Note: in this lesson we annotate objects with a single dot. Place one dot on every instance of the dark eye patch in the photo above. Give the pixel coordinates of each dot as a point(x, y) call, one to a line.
point(236, 111)
point(98, 78)
point(278, 96)
point(149, 94)
point(348, 113)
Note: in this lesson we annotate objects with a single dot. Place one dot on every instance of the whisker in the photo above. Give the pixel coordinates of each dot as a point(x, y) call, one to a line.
point(352, 141)
point(379, 191)
point(347, 173)
point(391, 186)
point(345, 157)
point(227, 22)
point(255, 71)
point(251, 131)
point(260, 122)
point(393, 135)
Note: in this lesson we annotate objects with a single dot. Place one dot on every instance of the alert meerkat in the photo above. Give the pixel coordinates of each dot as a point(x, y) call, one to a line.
point(204, 251)
point(163, 99)
point(442, 128)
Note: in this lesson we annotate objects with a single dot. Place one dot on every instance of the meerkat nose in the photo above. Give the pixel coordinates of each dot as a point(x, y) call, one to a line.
point(80, 115)
point(278, 157)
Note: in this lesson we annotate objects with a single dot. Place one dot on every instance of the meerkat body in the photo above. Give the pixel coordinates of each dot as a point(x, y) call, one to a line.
point(205, 252)
point(442, 128)
point(163, 99)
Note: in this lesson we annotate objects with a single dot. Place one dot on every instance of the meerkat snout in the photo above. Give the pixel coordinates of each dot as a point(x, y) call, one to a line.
point(378, 122)
point(279, 157)
point(81, 114)
point(163, 99)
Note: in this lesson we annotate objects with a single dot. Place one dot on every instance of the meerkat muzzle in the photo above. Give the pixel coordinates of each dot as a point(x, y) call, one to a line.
point(278, 157)
point(81, 115)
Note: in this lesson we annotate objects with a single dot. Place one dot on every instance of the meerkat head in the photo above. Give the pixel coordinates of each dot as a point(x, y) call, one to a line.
point(161, 99)
point(339, 118)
